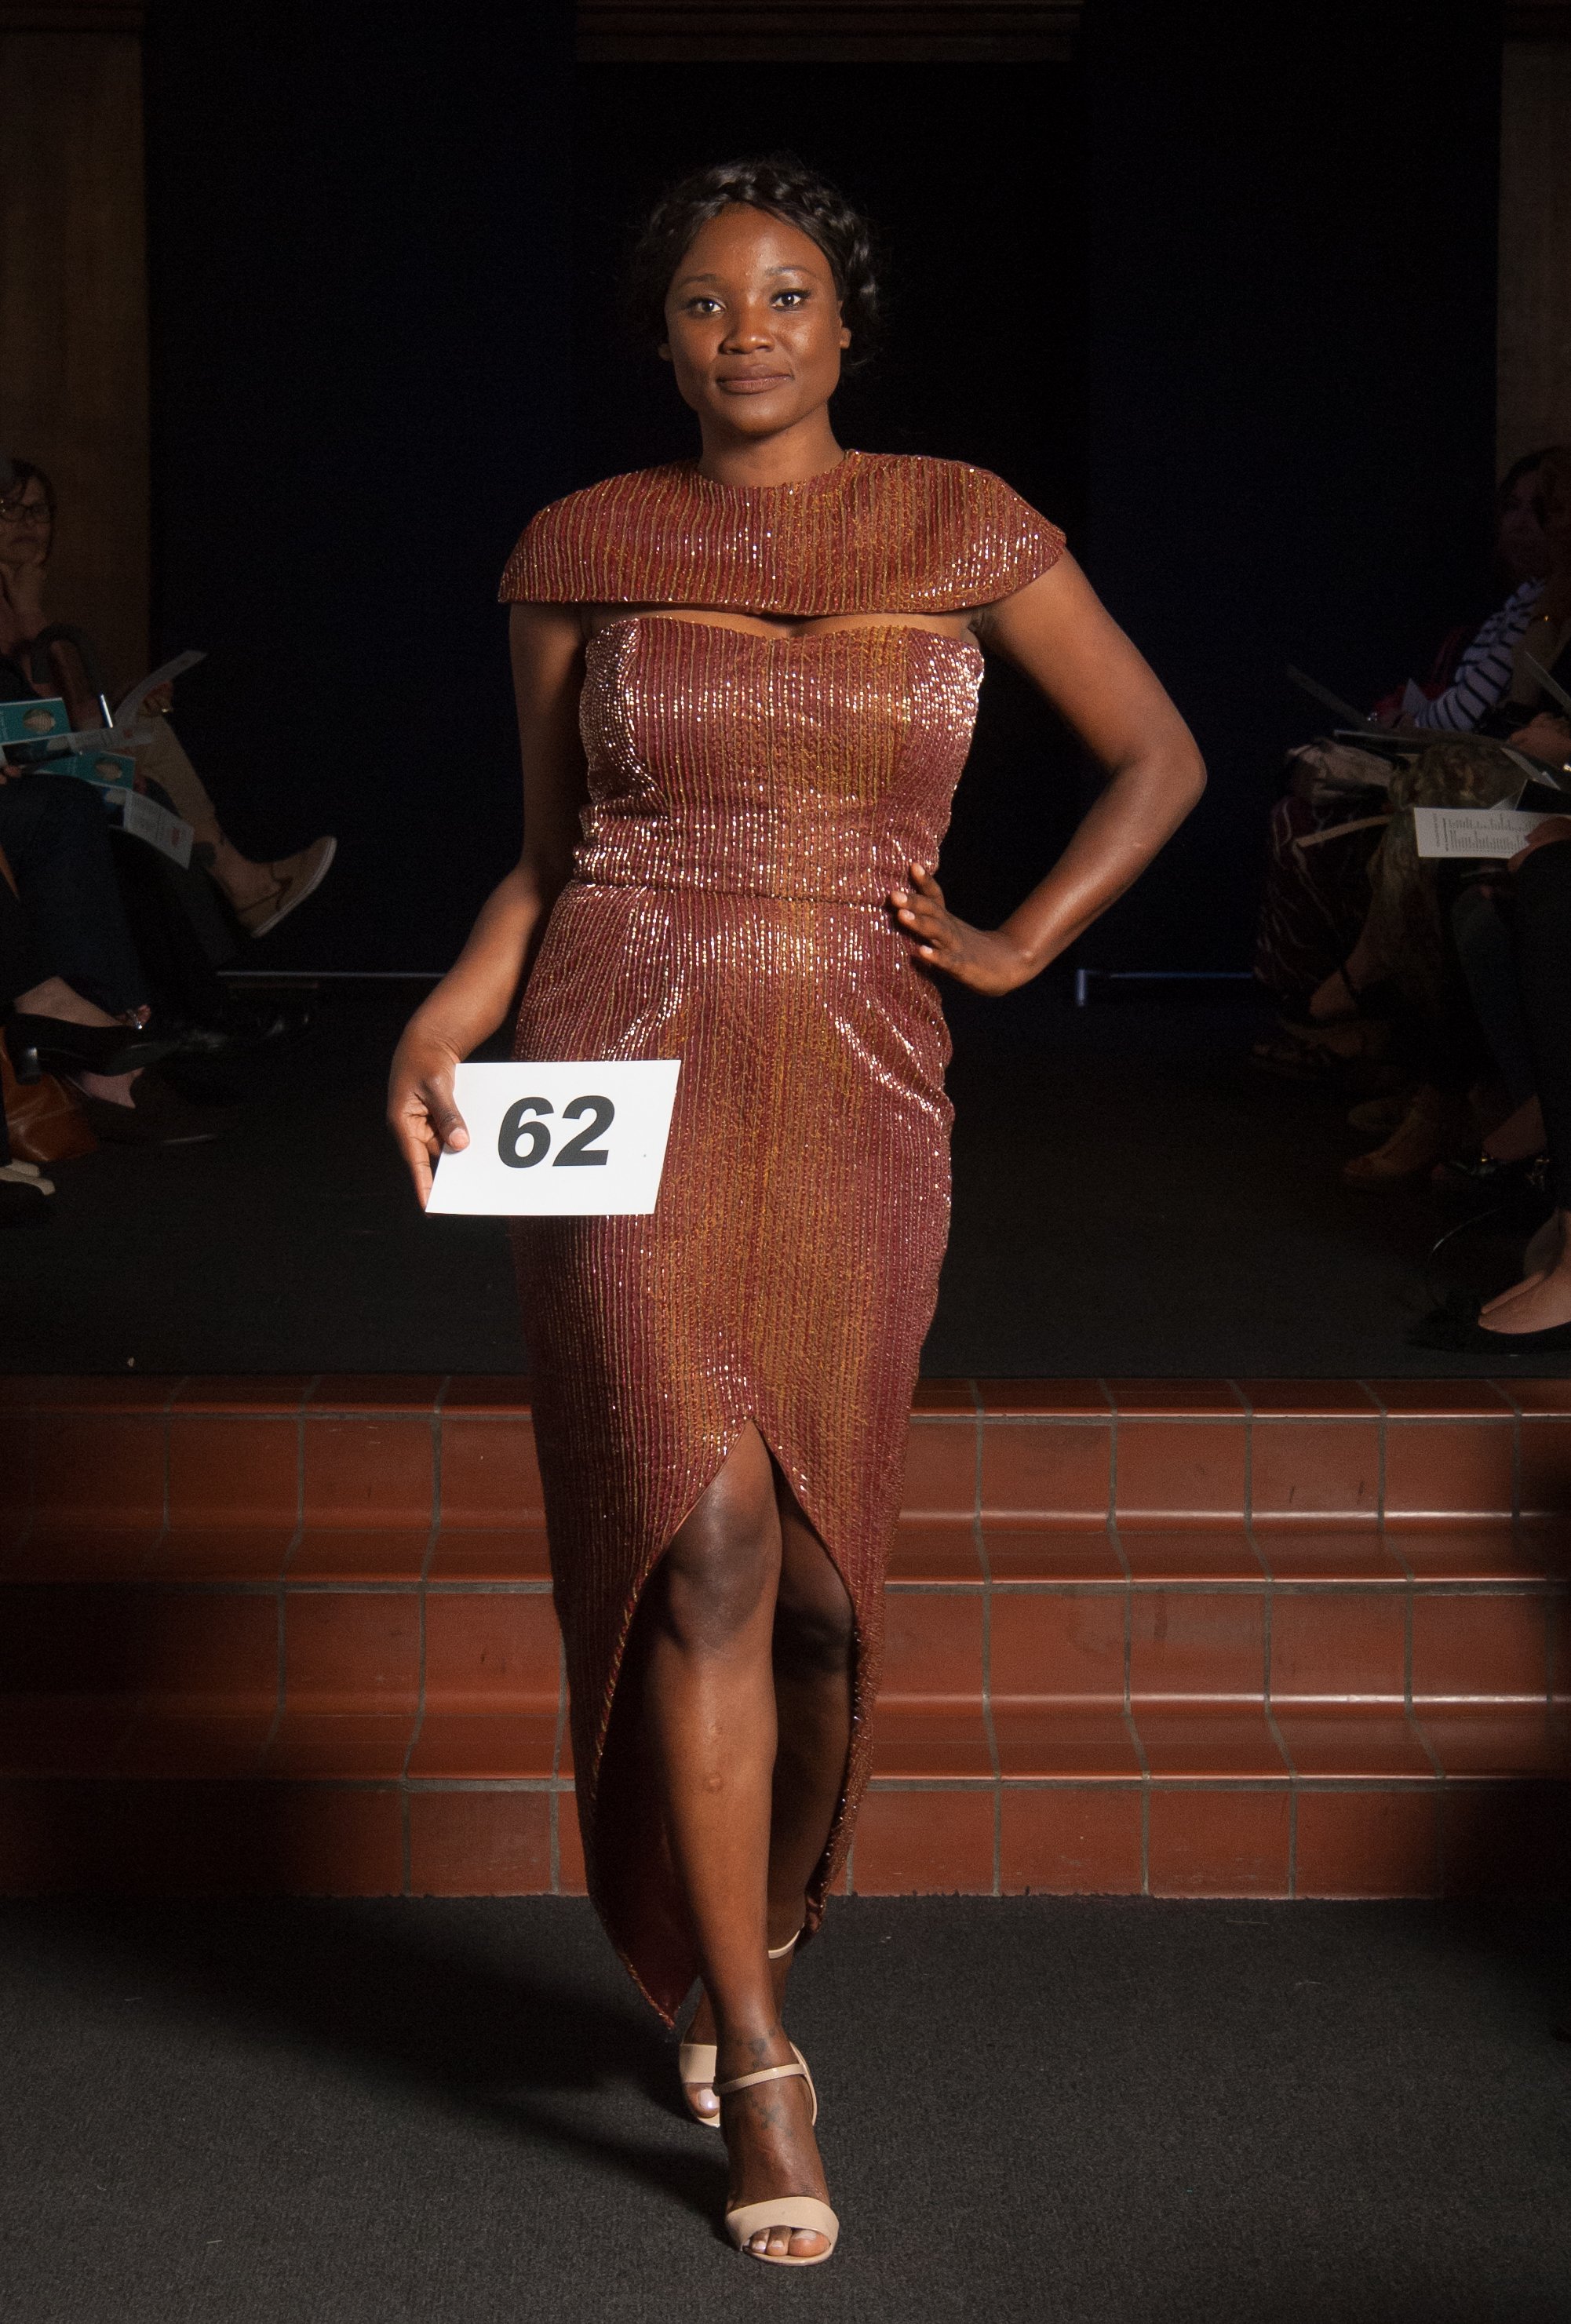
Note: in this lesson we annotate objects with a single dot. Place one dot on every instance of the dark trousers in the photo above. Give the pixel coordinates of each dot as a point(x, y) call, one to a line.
point(56, 840)
point(1543, 934)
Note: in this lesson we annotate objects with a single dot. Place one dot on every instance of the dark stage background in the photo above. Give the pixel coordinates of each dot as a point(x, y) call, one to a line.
point(358, 223)
point(1291, 219)
point(1226, 310)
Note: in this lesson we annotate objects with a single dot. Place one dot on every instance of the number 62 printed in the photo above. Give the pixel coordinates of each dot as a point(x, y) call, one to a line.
point(575, 1138)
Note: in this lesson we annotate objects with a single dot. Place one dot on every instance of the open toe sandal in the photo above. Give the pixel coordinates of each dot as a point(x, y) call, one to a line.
point(803, 2214)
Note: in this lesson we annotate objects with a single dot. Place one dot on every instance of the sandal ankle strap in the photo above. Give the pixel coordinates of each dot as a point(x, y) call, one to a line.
point(764, 2074)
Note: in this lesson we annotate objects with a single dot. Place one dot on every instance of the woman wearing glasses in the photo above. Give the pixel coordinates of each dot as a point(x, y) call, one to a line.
point(745, 686)
point(260, 894)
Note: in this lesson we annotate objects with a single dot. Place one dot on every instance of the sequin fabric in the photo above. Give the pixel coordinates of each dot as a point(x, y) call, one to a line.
point(753, 800)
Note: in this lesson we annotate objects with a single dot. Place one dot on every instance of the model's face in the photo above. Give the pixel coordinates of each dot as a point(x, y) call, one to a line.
point(753, 325)
point(24, 524)
point(1523, 548)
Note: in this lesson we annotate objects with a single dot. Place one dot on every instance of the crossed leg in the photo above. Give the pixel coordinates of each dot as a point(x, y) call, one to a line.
point(744, 1641)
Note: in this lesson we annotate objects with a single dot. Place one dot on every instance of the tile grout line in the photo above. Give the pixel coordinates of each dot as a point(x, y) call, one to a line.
point(554, 1833)
point(1274, 1729)
point(432, 1537)
point(979, 1543)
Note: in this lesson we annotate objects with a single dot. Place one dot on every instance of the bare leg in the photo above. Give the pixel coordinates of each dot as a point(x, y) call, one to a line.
point(709, 1727)
point(1337, 996)
point(164, 759)
point(1519, 1136)
point(813, 1646)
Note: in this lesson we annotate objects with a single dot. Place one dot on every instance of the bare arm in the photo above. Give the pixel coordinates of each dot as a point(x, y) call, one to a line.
point(474, 998)
point(1058, 632)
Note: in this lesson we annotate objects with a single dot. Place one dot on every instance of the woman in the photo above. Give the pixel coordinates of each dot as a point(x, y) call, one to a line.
point(1323, 832)
point(746, 687)
point(73, 995)
point(259, 894)
point(1402, 939)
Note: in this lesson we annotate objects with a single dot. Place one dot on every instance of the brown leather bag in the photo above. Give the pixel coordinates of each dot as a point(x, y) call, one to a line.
point(42, 1120)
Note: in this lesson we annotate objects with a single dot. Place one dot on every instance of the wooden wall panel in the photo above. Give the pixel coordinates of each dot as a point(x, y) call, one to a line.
point(1534, 398)
point(73, 310)
point(826, 32)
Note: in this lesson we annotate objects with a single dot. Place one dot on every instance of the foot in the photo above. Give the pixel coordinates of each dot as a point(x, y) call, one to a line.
point(1334, 1002)
point(1541, 1301)
point(1433, 1125)
point(286, 883)
point(700, 2096)
point(769, 2140)
point(1519, 1137)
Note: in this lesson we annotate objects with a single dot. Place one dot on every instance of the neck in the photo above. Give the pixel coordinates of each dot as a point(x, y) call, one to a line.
point(805, 449)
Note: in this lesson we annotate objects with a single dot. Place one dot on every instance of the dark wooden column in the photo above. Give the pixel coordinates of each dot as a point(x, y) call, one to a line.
point(1534, 405)
point(73, 301)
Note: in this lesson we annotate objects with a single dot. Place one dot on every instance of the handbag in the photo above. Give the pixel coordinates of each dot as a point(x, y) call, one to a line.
point(42, 1121)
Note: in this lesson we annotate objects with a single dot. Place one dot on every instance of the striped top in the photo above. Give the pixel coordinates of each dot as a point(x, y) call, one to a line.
point(1485, 671)
point(880, 532)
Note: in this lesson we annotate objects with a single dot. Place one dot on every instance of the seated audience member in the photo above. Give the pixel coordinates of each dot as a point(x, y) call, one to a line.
point(1325, 832)
point(1403, 937)
point(1533, 1316)
point(1484, 671)
point(1532, 716)
point(260, 894)
point(74, 997)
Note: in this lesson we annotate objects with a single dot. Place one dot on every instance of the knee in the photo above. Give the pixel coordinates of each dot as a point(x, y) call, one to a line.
point(714, 1582)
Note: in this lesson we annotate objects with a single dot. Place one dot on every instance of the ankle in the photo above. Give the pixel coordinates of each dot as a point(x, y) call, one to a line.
point(743, 2045)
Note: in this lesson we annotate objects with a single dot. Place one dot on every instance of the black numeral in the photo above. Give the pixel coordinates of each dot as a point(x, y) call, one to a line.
point(516, 1128)
point(577, 1153)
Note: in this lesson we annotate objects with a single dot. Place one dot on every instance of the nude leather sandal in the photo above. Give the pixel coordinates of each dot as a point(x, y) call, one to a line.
point(804, 2212)
point(695, 2062)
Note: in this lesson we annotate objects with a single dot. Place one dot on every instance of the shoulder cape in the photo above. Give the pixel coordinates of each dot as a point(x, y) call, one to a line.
point(879, 533)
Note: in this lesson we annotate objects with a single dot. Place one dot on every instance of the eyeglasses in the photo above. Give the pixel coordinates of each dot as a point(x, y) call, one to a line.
point(24, 512)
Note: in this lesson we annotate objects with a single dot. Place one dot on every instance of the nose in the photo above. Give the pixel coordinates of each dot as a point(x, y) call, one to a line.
point(749, 331)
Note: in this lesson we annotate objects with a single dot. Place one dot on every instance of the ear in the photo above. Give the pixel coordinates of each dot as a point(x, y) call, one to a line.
point(664, 351)
point(844, 338)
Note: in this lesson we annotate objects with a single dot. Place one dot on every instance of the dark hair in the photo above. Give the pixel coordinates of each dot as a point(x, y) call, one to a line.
point(1528, 465)
point(787, 189)
point(1554, 469)
point(22, 473)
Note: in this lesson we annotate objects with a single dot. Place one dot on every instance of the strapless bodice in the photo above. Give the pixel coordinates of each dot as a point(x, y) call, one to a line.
point(811, 766)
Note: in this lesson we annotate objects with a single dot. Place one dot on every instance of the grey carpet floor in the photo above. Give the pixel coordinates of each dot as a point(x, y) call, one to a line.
point(1130, 1200)
point(1088, 2111)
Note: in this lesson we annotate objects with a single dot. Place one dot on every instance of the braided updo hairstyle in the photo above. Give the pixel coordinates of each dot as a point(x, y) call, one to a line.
point(786, 188)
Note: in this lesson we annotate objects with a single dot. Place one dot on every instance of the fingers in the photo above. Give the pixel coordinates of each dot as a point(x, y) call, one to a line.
point(446, 1122)
point(921, 912)
point(425, 1123)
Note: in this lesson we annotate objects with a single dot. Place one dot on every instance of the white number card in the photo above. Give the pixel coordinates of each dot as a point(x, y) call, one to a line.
point(559, 1139)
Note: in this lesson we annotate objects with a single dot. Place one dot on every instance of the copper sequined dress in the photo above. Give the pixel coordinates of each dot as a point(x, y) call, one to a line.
point(753, 799)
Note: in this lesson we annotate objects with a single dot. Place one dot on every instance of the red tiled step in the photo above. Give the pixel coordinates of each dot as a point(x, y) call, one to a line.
point(304, 1591)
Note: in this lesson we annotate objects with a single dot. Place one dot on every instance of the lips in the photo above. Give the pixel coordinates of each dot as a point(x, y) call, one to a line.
point(750, 382)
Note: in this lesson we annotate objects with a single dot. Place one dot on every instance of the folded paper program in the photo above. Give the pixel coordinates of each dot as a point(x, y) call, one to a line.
point(1480, 833)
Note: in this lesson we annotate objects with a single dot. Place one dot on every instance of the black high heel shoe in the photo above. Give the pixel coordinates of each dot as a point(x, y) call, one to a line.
point(35, 1042)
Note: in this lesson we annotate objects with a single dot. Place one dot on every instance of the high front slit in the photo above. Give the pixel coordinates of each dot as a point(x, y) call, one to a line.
point(651, 1907)
point(753, 801)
